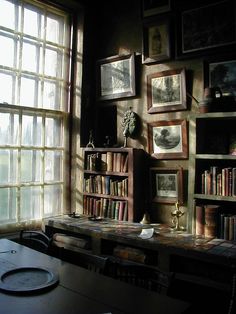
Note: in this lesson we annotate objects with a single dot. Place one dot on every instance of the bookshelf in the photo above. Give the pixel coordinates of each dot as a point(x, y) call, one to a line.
point(113, 183)
point(212, 175)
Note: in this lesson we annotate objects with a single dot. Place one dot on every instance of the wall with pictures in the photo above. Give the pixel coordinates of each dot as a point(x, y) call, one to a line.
point(171, 51)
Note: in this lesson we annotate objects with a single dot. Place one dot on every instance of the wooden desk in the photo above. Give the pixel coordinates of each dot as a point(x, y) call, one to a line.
point(79, 290)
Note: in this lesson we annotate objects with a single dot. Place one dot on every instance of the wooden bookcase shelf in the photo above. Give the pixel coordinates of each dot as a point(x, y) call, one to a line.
point(212, 173)
point(113, 183)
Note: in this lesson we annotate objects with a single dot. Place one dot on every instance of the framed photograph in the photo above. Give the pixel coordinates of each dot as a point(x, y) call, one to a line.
point(168, 139)
point(166, 91)
point(152, 7)
point(156, 41)
point(204, 29)
point(166, 185)
point(221, 74)
point(116, 77)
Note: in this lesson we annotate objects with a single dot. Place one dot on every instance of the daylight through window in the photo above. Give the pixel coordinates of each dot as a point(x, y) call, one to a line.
point(34, 97)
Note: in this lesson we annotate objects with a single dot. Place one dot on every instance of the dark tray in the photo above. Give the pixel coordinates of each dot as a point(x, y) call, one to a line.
point(27, 279)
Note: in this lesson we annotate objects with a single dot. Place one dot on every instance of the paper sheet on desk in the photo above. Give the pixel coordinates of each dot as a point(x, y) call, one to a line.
point(146, 233)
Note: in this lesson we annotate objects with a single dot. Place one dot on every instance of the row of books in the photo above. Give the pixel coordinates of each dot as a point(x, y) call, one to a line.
point(100, 184)
point(219, 181)
point(213, 221)
point(107, 208)
point(109, 161)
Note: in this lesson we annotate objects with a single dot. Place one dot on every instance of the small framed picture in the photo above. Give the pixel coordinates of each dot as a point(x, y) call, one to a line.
point(153, 7)
point(222, 74)
point(166, 91)
point(156, 41)
point(166, 185)
point(168, 139)
point(116, 77)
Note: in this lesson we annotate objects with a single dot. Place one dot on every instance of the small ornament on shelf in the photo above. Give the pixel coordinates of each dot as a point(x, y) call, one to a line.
point(176, 214)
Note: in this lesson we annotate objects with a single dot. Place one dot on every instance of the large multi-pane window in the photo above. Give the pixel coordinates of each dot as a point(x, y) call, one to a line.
point(34, 96)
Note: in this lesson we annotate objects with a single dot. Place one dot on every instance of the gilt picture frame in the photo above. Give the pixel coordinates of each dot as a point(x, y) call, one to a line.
point(166, 185)
point(166, 91)
point(168, 139)
point(116, 77)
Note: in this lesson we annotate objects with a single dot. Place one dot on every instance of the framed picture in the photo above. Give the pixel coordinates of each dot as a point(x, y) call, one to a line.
point(222, 74)
point(166, 185)
point(204, 29)
point(166, 91)
point(116, 77)
point(156, 41)
point(152, 7)
point(168, 139)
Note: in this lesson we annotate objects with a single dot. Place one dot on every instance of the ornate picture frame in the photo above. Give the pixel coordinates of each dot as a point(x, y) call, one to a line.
point(166, 185)
point(168, 139)
point(156, 40)
point(166, 91)
point(116, 77)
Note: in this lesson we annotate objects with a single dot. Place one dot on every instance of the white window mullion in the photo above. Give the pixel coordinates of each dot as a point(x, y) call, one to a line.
point(43, 166)
point(18, 177)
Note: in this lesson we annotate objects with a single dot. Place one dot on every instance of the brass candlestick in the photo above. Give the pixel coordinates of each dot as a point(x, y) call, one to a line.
point(176, 214)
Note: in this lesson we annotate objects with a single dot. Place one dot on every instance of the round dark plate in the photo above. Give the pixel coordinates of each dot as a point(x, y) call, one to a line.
point(27, 279)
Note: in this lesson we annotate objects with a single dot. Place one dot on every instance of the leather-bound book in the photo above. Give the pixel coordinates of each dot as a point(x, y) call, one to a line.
point(200, 219)
point(211, 216)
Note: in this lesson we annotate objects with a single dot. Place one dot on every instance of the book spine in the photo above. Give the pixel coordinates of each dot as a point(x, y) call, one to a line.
point(200, 221)
point(211, 213)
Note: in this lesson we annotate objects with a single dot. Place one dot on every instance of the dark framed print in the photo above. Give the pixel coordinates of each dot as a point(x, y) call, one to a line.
point(166, 91)
point(156, 41)
point(204, 29)
point(166, 185)
point(116, 77)
point(168, 139)
point(152, 7)
point(222, 74)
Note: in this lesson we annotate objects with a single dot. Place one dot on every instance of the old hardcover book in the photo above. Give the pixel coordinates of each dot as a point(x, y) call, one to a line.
point(200, 219)
point(211, 216)
point(129, 253)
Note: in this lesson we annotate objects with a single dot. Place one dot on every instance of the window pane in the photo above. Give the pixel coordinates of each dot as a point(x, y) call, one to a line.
point(7, 14)
point(50, 96)
point(51, 62)
point(6, 51)
point(30, 166)
point(54, 29)
point(6, 92)
point(27, 94)
point(30, 57)
point(8, 166)
point(33, 21)
point(9, 128)
point(53, 166)
point(31, 130)
point(30, 203)
point(8, 204)
point(53, 132)
point(53, 200)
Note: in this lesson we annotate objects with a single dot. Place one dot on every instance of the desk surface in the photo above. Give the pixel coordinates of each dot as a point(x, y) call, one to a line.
point(79, 290)
point(186, 244)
